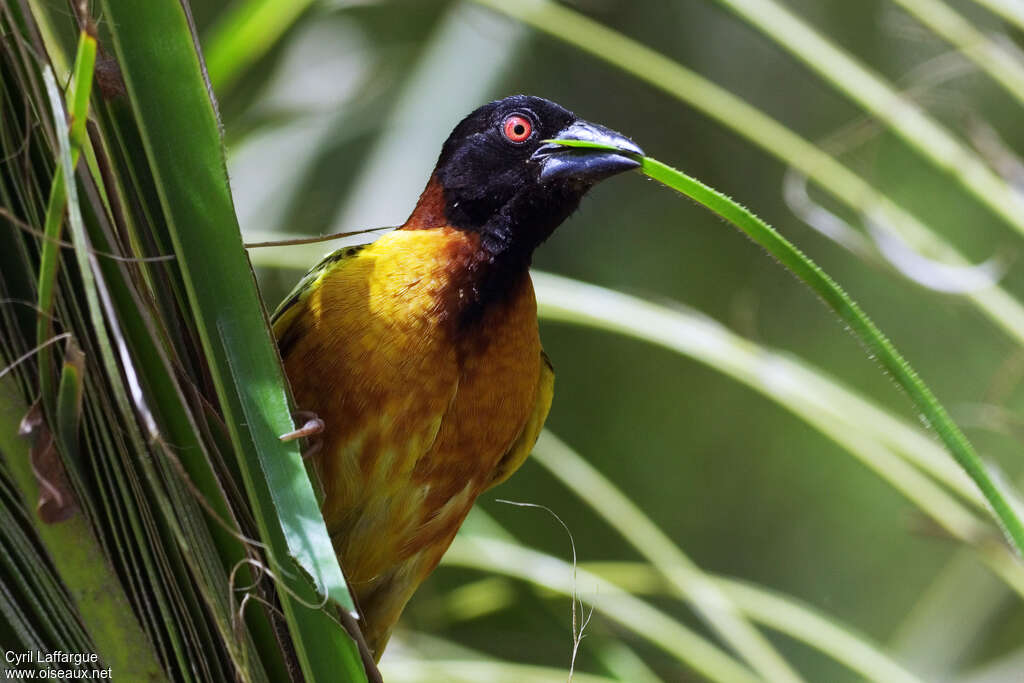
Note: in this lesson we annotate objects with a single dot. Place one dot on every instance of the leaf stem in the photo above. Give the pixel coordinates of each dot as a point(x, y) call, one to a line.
point(878, 345)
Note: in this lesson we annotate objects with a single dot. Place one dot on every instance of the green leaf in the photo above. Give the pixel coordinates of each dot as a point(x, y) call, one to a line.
point(878, 345)
point(181, 135)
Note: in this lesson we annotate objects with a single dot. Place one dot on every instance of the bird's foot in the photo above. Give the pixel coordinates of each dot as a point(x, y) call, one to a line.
point(311, 426)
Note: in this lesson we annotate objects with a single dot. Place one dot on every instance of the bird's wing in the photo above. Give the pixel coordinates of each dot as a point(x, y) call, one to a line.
point(516, 455)
point(289, 309)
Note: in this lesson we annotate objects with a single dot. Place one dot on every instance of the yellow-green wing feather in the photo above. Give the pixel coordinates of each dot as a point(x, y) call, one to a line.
point(289, 310)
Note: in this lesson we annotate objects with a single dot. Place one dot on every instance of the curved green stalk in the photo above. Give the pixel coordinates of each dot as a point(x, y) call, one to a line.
point(878, 345)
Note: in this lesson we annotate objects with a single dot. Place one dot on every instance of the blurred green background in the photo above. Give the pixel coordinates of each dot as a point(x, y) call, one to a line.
point(336, 126)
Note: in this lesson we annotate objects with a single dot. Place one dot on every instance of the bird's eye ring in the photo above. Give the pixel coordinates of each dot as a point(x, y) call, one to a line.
point(517, 128)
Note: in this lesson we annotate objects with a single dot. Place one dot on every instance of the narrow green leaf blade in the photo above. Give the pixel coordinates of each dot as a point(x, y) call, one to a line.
point(876, 342)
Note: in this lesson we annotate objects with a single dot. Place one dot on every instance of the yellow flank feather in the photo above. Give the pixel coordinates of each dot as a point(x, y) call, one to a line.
point(422, 412)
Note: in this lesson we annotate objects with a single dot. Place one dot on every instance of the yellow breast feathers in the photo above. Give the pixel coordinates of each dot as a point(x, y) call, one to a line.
point(423, 411)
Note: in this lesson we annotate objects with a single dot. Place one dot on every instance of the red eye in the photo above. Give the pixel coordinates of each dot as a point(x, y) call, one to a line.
point(517, 128)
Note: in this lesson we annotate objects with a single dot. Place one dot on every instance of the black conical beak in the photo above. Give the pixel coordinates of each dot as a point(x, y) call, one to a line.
point(586, 164)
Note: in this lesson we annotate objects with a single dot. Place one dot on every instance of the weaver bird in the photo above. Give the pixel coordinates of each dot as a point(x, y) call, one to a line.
point(420, 352)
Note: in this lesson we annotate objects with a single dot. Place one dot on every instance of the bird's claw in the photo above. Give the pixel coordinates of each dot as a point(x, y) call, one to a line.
point(311, 426)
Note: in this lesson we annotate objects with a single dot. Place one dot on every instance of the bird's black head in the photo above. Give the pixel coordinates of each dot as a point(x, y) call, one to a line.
point(498, 178)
